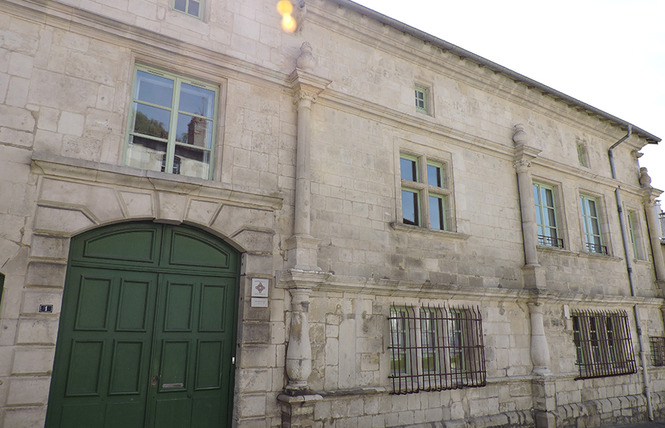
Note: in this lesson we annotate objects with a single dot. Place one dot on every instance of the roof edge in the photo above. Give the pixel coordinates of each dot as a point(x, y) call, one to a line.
point(363, 10)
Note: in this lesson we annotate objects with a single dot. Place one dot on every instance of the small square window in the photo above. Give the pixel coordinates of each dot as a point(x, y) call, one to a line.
point(422, 99)
point(190, 7)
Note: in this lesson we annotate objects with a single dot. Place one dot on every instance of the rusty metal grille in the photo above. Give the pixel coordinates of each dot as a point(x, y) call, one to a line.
point(436, 348)
point(657, 350)
point(603, 343)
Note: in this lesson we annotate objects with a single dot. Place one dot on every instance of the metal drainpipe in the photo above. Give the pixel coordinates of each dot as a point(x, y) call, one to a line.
point(629, 269)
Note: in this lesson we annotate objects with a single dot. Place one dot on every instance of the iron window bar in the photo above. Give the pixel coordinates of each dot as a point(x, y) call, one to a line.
point(435, 348)
point(657, 345)
point(603, 343)
point(550, 241)
point(596, 248)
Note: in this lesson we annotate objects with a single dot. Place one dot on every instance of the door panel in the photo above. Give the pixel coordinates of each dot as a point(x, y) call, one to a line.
point(102, 358)
point(191, 343)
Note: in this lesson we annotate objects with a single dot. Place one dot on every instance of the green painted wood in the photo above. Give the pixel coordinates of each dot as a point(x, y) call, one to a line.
point(146, 312)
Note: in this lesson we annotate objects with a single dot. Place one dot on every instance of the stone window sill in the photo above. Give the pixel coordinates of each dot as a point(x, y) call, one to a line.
point(425, 231)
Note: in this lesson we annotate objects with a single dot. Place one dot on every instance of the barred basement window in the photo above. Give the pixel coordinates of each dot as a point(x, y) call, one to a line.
point(603, 343)
point(436, 348)
point(657, 350)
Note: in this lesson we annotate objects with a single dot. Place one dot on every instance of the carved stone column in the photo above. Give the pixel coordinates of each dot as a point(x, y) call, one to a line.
point(303, 274)
point(652, 224)
point(543, 384)
point(524, 154)
point(299, 352)
point(540, 351)
point(302, 247)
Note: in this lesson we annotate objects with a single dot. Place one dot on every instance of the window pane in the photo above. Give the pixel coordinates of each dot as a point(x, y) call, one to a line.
point(146, 153)
point(550, 219)
point(153, 89)
point(408, 168)
point(152, 121)
point(434, 176)
point(180, 5)
point(193, 8)
point(436, 213)
point(420, 99)
point(194, 130)
point(410, 207)
point(196, 100)
point(548, 197)
point(191, 162)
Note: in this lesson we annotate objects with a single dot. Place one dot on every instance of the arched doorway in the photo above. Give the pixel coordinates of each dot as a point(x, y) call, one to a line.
point(147, 330)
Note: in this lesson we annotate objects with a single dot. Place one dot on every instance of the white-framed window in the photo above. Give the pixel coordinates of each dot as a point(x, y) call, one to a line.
point(603, 344)
point(422, 98)
point(635, 235)
point(425, 192)
point(190, 7)
point(593, 239)
point(171, 125)
point(546, 216)
point(435, 348)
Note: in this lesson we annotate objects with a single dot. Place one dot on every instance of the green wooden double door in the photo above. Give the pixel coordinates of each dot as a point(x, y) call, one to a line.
point(147, 330)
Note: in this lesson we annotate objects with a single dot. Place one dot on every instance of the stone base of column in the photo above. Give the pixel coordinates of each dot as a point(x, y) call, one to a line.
point(303, 252)
point(298, 411)
point(544, 401)
point(533, 276)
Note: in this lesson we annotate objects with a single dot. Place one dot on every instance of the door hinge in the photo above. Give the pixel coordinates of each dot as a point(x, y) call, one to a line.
point(233, 360)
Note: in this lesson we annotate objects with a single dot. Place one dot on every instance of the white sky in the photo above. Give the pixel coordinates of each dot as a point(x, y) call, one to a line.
point(606, 53)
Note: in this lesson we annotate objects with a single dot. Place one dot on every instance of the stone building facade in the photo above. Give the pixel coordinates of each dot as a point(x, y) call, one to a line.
point(207, 221)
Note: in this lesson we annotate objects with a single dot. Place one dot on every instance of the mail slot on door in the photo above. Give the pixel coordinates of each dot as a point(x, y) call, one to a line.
point(173, 385)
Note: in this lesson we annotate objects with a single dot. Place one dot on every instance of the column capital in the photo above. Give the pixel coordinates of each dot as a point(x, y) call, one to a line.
point(524, 150)
point(522, 165)
point(306, 86)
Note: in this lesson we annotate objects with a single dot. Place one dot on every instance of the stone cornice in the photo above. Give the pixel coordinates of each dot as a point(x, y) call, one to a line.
point(429, 291)
point(142, 42)
point(118, 176)
point(381, 32)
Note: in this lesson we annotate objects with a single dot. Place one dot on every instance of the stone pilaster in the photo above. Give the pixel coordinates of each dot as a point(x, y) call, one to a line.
point(650, 195)
point(307, 87)
point(303, 274)
point(524, 154)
